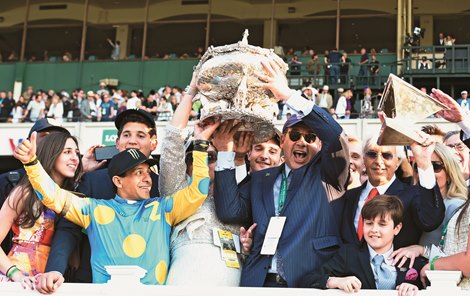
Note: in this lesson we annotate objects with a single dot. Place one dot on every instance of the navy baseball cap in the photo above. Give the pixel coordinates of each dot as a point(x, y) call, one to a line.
point(46, 124)
point(144, 114)
point(290, 122)
point(126, 160)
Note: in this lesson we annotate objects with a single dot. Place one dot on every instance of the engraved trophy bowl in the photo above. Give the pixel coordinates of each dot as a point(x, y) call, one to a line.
point(228, 88)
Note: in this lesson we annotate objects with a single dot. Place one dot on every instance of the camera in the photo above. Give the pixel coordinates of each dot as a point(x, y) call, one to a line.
point(14, 177)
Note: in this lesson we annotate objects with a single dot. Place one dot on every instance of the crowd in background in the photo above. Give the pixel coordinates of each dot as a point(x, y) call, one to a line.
point(360, 215)
point(105, 103)
point(102, 104)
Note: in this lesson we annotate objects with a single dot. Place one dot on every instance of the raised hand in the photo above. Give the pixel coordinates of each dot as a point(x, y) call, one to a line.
point(203, 130)
point(246, 238)
point(274, 80)
point(26, 151)
point(455, 112)
point(89, 162)
point(422, 152)
point(224, 137)
point(243, 145)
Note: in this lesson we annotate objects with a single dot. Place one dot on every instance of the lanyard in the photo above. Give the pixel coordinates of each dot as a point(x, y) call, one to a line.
point(282, 193)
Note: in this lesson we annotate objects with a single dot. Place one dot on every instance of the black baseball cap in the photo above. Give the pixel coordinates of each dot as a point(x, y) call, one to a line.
point(290, 122)
point(144, 114)
point(126, 160)
point(46, 124)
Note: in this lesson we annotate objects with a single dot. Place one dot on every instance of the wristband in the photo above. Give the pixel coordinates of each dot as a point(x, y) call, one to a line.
point(32, 162)
point(201, 145)
point(433, 260)
point(11, 271)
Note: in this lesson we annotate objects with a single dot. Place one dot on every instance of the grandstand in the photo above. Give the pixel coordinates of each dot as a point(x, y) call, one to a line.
point(63, 45)
point(145, 45)
point(36, 35)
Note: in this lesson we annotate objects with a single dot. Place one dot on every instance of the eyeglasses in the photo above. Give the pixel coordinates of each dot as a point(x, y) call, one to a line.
point(211, 157)
point(458, 146)
point(385, 155)
point(437, 166)
point(294, 136)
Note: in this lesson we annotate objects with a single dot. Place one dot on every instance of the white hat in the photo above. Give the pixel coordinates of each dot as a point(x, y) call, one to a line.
point(340, 89)
point(312, 89)
point(464, 92)
point(325, 87)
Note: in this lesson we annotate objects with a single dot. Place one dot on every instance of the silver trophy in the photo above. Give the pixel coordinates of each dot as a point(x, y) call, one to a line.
point(227, 86)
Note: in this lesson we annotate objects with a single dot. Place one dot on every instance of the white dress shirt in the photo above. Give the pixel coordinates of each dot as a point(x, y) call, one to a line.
point(427, 179)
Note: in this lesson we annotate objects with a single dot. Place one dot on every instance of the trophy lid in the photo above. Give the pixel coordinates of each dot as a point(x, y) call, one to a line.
point(404, 104)
point(403, 100)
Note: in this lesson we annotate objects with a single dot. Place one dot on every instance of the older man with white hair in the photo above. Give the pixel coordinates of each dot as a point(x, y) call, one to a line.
point(423, 205)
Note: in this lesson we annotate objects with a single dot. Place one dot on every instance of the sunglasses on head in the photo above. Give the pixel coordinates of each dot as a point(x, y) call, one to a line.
point(211, 157)
point(385, 155)
point(294, 136)
point(437, 166)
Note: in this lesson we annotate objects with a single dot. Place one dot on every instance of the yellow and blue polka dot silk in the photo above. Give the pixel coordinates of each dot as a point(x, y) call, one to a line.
point(123, 233)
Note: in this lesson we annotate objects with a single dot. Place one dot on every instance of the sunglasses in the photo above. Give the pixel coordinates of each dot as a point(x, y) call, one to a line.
point(211, 157)
point(458, 146)
point(294, 136)
point(437, 166)
point(385, 155)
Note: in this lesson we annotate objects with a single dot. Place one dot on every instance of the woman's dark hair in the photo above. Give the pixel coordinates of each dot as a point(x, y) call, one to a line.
point(48, 150)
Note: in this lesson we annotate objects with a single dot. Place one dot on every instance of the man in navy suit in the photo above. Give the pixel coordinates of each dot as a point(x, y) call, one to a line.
point(423, 205)
point(315, 172)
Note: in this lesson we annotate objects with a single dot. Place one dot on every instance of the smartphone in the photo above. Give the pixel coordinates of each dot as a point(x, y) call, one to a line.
point(102, 153)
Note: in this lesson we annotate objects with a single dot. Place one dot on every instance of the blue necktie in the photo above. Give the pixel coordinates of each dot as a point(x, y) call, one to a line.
point(384, 277)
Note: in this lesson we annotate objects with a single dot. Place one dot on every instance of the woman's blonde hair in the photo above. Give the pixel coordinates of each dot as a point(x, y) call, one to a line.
point(456, 185)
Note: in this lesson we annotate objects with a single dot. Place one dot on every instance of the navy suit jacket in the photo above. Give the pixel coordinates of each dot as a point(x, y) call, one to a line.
point(310, 235)
point(424, 210)
point(67, 235)
point(354, 260)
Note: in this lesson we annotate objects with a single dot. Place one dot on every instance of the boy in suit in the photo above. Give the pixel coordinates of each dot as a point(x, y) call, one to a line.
point(369, 266)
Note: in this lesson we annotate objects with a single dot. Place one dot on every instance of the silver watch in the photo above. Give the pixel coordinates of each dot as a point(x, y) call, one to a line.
point(190, 90)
